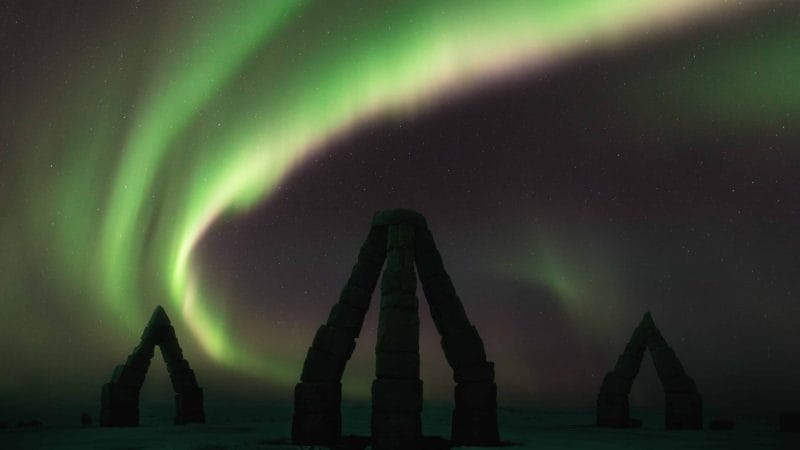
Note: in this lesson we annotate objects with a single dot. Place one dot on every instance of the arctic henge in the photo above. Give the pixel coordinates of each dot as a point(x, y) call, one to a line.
point(398, 241)
point(401, 238)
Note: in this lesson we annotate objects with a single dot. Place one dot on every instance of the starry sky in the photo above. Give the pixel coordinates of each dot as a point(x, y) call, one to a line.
point(579, 163)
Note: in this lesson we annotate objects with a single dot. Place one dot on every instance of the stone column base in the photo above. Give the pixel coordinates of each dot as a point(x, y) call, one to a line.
point(613, 411)
point(475, 427)
point(189, 407)
point(317, 415)
point(396, 430)
point(683, 411)
point(119, 406)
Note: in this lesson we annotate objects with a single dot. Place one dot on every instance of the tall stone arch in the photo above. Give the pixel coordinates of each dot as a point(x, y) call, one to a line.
point(120, 397)
point(683, 404)
point(402, 240)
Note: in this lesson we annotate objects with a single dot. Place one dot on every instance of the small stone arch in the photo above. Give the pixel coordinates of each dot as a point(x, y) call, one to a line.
point(683, 404)
point(120, 397)
point(401, 239)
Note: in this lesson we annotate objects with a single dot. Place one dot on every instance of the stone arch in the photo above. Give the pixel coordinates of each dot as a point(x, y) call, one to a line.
point(120, 397)
point(683, 404)
point(402, 240)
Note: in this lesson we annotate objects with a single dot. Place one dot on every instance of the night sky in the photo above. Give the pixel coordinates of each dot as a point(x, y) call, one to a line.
point(579, 163)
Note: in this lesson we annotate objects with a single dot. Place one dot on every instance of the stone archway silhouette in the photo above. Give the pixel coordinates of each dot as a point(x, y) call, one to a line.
point(120, 397)
point(683, 404)
point(402, 239)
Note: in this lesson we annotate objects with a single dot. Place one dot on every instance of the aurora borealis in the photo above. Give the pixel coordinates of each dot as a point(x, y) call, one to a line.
point(579, 162)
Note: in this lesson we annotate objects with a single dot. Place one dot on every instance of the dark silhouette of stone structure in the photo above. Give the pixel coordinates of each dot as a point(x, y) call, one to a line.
point(789, 422)
point(683, 407)
point(120, 397)
point(402, 239)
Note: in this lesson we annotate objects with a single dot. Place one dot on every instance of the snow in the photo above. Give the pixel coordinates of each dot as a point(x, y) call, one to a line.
point(268, 426)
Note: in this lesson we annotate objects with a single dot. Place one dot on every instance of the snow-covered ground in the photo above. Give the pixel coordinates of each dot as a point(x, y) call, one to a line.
point(268, 426)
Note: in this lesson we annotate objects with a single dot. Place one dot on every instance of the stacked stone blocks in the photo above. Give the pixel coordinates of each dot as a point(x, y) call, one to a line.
point(120, 397)
point(317, 398)
point(401, 239)
point(683, 404)
point(475, 414)
point(397, 390)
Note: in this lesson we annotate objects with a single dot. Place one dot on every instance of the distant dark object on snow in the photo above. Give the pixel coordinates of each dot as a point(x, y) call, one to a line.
point(790, 422)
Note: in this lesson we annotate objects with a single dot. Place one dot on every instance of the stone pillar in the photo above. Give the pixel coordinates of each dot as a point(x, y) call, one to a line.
point(397, 390)
point(683, 406)
point(613, 409)
point(119, 400)
point(475, 413)
point(317, 398)
point(188, 395)
point(119, 406)
point(120, 397)
point(317, 417)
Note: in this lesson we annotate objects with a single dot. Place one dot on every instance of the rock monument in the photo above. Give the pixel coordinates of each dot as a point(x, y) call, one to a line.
point(120, 397)
point(683, 404)
point(401, 239)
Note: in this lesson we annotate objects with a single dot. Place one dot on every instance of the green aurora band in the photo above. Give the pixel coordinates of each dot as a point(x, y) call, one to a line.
point(165, 130)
